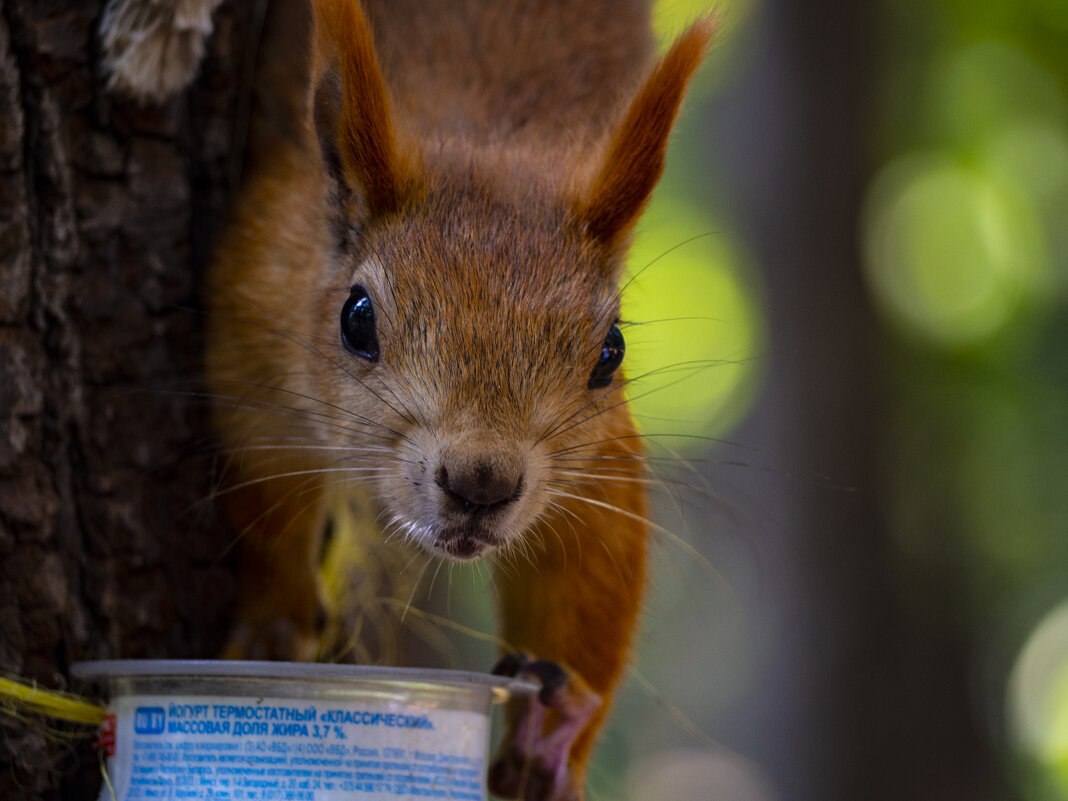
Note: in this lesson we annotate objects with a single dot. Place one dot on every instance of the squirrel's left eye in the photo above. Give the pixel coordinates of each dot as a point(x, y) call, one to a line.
point(358, 331)
point(611, 357)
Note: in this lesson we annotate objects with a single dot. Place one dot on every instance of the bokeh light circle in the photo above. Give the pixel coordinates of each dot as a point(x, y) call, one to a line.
point(694, 328)
point(952, 253)
point(1038, 698)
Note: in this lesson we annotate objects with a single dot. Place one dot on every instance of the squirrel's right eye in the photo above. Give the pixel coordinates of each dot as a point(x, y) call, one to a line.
point(358, 332)
point(611, 357)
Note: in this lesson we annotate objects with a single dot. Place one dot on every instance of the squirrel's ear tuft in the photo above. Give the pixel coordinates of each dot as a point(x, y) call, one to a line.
point(634, 159)
point(353, 118)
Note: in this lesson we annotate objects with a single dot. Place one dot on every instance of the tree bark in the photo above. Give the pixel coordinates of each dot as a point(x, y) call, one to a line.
point(109, 545)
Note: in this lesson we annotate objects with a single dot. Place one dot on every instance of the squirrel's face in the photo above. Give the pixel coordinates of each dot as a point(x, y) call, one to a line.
point(477, 350)
point(473, 322)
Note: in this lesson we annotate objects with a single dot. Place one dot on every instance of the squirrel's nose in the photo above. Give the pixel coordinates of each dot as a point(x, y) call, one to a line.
point(479, 487)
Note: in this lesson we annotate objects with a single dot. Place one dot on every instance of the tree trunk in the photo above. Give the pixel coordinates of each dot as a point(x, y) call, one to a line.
point(109, 545)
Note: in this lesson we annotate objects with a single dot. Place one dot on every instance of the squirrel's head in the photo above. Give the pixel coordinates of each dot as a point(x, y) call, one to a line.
point(482, 340)
point(472, 313)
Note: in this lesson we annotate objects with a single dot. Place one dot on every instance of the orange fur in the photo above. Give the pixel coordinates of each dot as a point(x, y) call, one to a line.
point(365, 132)
point(439, 166)
point(582, 604)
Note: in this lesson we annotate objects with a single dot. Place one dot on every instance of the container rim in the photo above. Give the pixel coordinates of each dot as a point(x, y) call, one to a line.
point(289, 671)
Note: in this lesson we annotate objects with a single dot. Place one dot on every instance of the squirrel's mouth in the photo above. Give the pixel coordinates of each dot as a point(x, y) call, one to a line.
point(465, 543)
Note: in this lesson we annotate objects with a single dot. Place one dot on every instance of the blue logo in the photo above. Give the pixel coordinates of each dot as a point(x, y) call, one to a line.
point(149, 719)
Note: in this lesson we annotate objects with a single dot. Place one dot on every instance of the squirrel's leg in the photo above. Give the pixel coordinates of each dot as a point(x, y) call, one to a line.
point(280, 521)
point(577, 606)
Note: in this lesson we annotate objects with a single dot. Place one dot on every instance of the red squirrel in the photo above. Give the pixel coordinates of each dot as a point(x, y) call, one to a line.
point(418, 294)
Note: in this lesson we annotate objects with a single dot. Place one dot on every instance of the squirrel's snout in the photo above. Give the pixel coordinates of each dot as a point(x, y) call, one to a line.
point(479, 487)
point(481, 495)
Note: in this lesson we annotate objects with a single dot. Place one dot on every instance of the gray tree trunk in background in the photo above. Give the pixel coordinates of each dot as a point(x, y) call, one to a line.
point(108, 547)
point(871, 703)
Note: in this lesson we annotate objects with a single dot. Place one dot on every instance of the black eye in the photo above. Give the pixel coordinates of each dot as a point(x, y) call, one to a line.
point(611, 357)
point(358, 331)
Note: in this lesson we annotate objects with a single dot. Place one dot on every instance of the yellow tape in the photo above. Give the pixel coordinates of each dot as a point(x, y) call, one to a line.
point(26, 697)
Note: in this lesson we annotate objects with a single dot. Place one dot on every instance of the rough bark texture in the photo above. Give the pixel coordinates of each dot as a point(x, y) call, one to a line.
point(108, 547)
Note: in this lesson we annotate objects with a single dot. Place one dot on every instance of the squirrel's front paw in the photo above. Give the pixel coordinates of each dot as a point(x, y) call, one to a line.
point(532, 762)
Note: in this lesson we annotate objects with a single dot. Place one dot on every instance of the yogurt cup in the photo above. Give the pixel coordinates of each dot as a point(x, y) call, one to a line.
point(282, 731)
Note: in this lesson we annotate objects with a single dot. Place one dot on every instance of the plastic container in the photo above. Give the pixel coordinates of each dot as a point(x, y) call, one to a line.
point(280, 731)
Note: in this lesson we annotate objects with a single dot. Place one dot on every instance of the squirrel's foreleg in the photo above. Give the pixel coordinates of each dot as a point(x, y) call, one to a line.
point(575, 604)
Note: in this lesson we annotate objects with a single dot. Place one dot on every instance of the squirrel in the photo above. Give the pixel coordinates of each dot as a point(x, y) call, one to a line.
point(417, 295)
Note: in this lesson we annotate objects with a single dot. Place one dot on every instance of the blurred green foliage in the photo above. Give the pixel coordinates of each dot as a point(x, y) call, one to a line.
point(965, 233)
point(965, 250)
point(691, 300)
point(694, 324)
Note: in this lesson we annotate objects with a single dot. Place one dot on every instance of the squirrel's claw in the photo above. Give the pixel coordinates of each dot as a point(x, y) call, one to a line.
point(532, 762)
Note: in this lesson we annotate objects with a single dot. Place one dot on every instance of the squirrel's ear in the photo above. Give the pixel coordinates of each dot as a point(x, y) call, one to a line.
point(353, 119)
point(634, 160)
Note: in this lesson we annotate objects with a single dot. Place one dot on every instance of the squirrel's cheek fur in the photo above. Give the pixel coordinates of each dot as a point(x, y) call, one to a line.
point(466, 435)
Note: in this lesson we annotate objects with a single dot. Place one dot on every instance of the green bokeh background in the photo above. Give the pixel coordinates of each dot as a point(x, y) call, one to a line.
point(963, 236)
